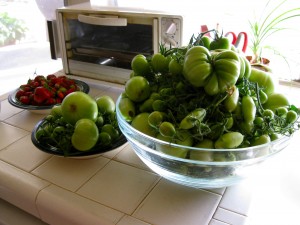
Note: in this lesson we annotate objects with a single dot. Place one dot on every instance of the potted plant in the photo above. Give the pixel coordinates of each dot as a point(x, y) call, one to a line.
point(269, 23)
point(11, 29)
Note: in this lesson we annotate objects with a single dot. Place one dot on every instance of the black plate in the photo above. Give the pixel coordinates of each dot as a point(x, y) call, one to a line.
point(73, 153)
point(84, 87)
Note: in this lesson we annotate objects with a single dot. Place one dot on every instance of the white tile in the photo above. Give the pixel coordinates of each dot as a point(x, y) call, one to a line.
point(20, 188)
point(24, 154)
point(10, 134)
point(128, 156)
point(217, 222)
point(237, 198)
point(219, 191)
point(61, 207)
point(170, 203)
point(119, 186)
point(7, 110)
point(129, 220)
point(230, 217)
point(69, 173)
point(113, 153)
point(276, 198)
point(10, 214)
point(25, 120)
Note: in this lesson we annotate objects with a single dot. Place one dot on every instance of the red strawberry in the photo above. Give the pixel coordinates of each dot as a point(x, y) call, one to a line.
point(24, 99)
point(51, 76)
point(39, 78)
point(50, 101)
point(20, 93)
point(41, 94)
point(60, 94)
point(25, 87)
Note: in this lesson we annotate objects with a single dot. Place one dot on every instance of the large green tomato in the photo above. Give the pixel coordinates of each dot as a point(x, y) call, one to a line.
point(127, 109)
point(197, 67)
point(160, 63)
point(140, 122)
point(137, 89)
point(276, 100)
point(140, 65)
point(78, 105)
point(264, 79)
point(226, 67)
point(215, 72)
point(85, 135)
point(220, 43)
point(106, 105)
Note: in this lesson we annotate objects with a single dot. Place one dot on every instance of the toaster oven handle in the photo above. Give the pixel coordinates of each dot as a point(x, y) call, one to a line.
point(103, 21)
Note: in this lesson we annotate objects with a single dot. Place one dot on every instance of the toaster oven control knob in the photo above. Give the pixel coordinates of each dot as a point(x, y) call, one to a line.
point(170, 32)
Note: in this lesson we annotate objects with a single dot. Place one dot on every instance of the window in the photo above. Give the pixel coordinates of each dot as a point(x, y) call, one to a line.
point(24, 56)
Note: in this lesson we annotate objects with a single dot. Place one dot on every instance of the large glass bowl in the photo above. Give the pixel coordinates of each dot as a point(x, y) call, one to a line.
point(196, 173)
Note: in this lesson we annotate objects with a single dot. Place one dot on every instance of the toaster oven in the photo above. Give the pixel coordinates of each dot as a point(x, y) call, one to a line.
point(100, 42)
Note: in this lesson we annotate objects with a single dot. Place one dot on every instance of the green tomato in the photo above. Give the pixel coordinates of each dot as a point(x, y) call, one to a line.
point(268, 113)
point(106, 105)
point(263, 139)
point(220, 43)
point(248, 109)
point(281, 111)
point(175, 67)
point(226, 66)
point(263, 97)
point(167, 129)
point(127, 109)
point(247, 68)
point(137, 89)
point(246, 127)
point(146, 106)
point(276, 100)
point(224, 156)
point(78, 105)
point(113, 132)
point(264, 80)
point(190, 120)
point(159, 105)
point(205, 156)
point(242, 66)
point(184, 139)
point(206, 41)
point(291, 116)
point(212, 87)
point(156, 118)
point(197, 67)
point(231, 101)
point(229, 140)
point(56, 110)
point(140, 122)
point(100, 121)
point(58, 131)
point(160, 63)
point(104, 139)
point(205, 143)
point(85, 135)
point(140, 65)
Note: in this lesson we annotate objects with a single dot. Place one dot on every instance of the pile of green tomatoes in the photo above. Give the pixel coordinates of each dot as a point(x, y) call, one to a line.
point(213, 98)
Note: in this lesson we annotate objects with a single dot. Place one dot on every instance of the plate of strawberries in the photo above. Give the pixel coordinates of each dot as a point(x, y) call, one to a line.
point(43, 92)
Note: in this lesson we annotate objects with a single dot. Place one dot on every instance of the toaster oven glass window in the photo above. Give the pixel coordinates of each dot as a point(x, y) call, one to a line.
point(109, 45)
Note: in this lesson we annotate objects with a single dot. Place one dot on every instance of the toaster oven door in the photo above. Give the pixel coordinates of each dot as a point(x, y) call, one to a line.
point(102, 46)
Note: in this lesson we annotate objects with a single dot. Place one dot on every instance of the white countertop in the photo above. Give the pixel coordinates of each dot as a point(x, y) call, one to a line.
point(117, 188)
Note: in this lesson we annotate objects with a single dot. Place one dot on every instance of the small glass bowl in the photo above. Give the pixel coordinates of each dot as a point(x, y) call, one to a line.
point(198, 173)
